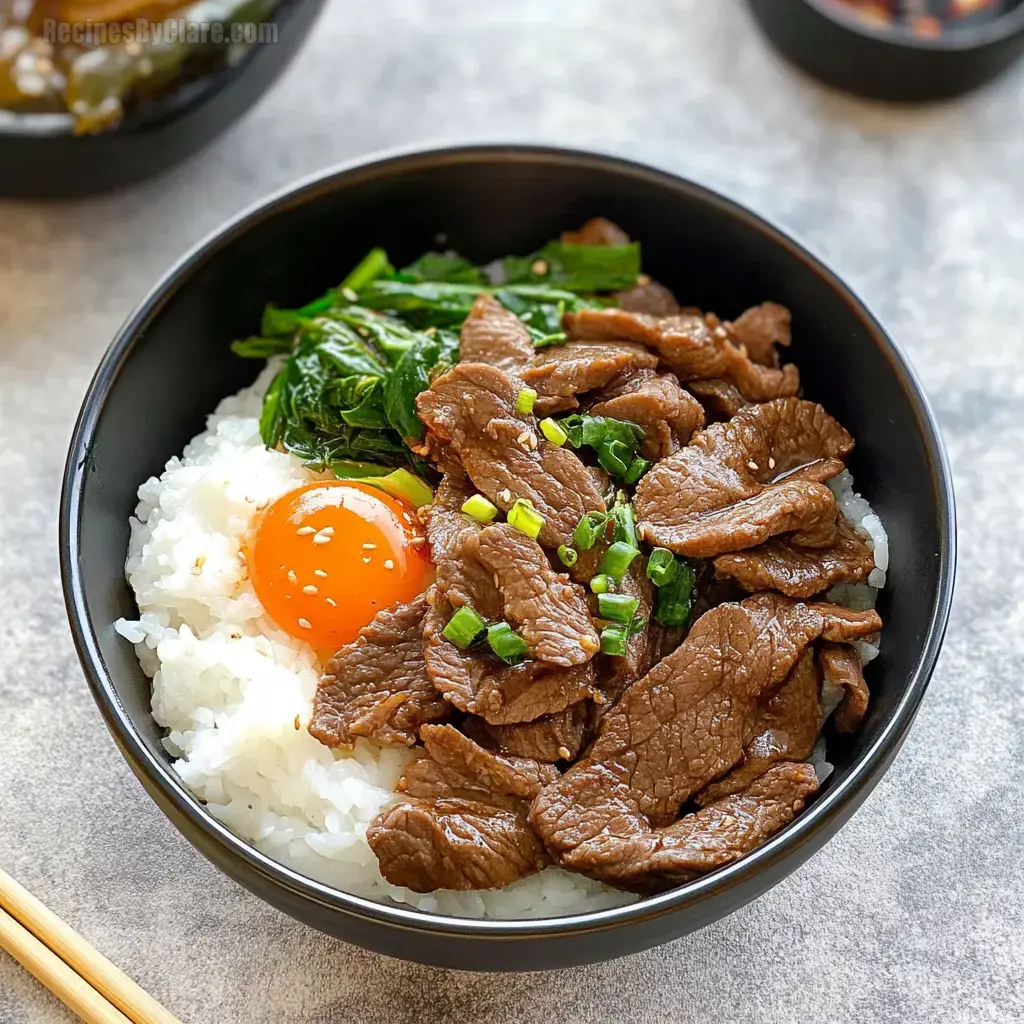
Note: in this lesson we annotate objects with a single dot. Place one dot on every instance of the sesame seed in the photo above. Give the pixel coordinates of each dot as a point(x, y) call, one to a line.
point(241, 556)
point(305, 624)
point(771, 463)
point(349, 294)
point(505, 495)
point(418, 542)
point(563, 752)
point(407, 517)
point(497, 585)
point(366, 559)
point(310, 589)
point(331, 602)
point(643, 279)
point(197, 565)
point(721, 332)
point(388, 564)
point(590, 646)
point(752, 465)
point(369, 547)
point(539, 267)
point(327, 531)
point(305, 531)
point(292, 578)
point(321, 539)
point(320, 573)
point(298, 723)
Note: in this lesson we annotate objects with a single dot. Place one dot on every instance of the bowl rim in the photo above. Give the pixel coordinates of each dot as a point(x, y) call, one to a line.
point(157, 771)
point(970, 37)
point(178, 102)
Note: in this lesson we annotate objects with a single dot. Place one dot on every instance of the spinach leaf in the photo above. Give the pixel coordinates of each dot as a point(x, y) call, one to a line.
point(327, 403)
point(574, 268)
point(389, 335)
point(442, 266)
point(258, 347)
point(432, 352)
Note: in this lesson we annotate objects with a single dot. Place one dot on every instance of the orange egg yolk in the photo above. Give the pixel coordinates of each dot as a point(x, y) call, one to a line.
point(326, 557)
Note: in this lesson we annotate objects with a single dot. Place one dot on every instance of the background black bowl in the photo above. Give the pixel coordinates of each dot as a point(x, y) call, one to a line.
point(170, 365)
point(890, 63)
point(41, 159)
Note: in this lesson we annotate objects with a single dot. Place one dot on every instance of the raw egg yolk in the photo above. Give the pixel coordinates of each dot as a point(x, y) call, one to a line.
point(326, 557)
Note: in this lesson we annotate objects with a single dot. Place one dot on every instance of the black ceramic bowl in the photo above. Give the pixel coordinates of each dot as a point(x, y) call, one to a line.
point(170, 365)
point(40, 157)
point(890, 63)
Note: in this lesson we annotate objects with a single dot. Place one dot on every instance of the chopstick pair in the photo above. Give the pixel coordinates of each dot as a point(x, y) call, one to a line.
point(79, 976)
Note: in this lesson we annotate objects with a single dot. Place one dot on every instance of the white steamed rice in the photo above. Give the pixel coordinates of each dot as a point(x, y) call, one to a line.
point(235, 693)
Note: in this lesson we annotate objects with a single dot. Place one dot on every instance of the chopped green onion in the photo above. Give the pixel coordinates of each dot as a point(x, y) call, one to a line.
point(480, 509)
point(525, 400)
point(615, 441)
point(614, 456)
point(614, 641)
point(617, 607)
point(463, 627)
point(506, 643)
point(637, 625)
point(553, 432)
point(525, 518)
point(601, 584)
point(588, 530)
point(567, 555)
point(636, 469)
point(625, 525)
point(400, 483)
point(617, 559)
point(675, 600)
point(662, 567)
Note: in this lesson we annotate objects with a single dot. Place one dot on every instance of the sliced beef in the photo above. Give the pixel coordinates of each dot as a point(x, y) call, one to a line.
point(477, 683)
point(720, 399)
point(796, 571)
point(668, 414)
point(549, 610)
point(378, 686)
point(843, 625)
point(551, 738)
point(561, 372)
point(760, 329)
point(472, 409)
point(739, 483)
point(493, 335)
point(649, 297)
point(785, 729)
point(596, 231)
point(688, 347)
point(683, 725)
point(460, 580)
point(649, 861)
point(462, 824)
point(841, 666)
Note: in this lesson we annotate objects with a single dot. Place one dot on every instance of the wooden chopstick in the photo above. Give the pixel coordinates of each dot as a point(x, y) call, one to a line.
point(70, 988)
point(127, 1001)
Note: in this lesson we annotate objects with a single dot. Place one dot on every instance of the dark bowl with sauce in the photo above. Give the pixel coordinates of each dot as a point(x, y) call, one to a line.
point(910, 60)
point(42, 158)
point(170, 364)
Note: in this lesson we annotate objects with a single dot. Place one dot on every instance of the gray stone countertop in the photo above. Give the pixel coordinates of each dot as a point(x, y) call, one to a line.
point(915, 912)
